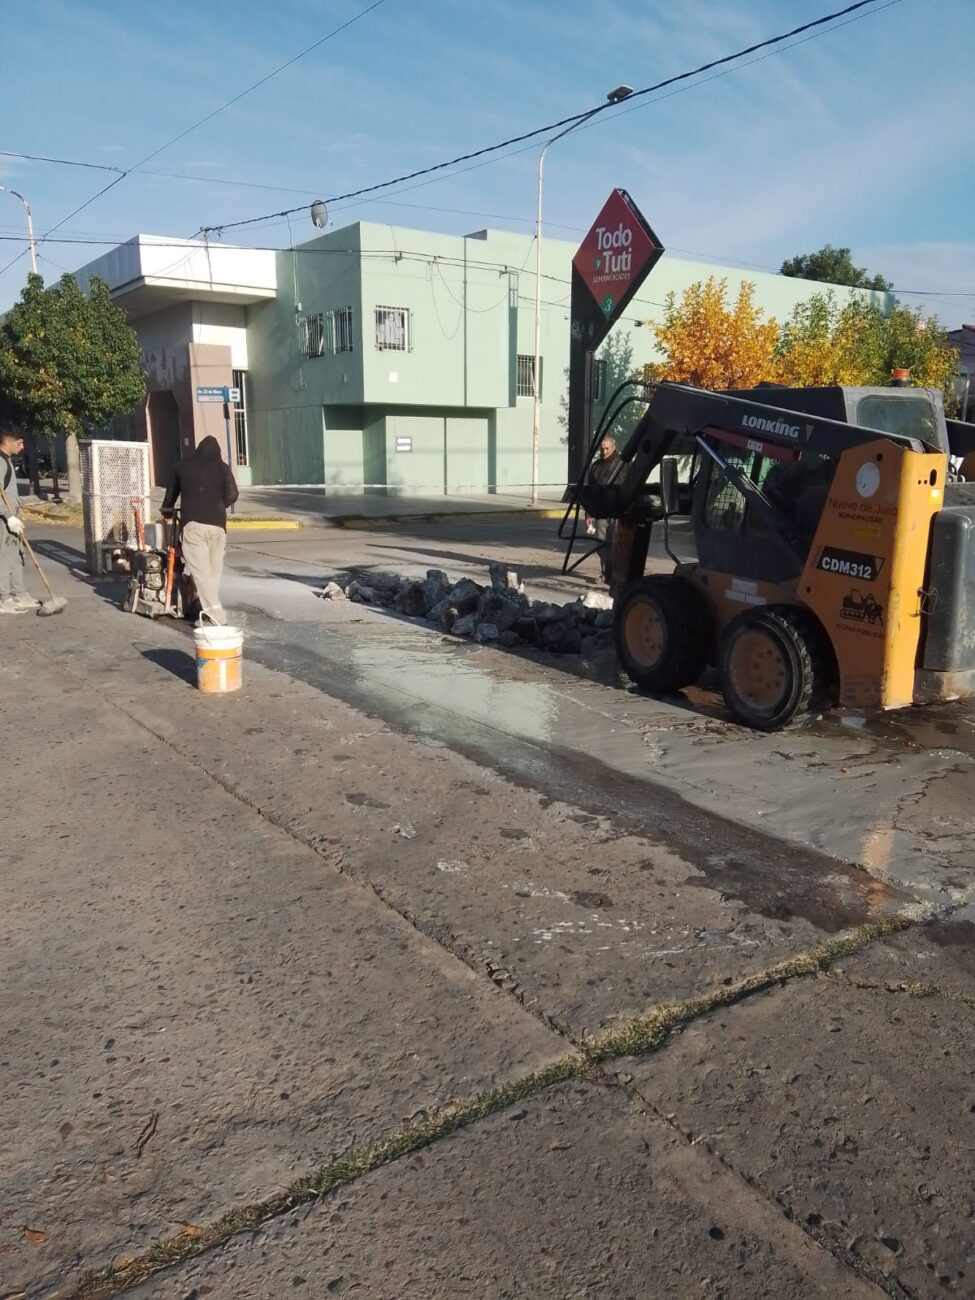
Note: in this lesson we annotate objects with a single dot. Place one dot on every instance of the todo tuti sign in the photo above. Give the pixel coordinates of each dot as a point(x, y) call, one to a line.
point(617, 255)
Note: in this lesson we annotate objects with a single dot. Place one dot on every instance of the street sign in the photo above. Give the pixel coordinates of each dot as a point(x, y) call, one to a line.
point(210, 394)
point(617, 254)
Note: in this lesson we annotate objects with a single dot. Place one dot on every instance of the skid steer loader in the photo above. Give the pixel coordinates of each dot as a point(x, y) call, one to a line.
point(834, 554)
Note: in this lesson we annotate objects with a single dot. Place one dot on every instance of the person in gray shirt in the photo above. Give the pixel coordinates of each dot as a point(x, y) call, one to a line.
point(13, 593)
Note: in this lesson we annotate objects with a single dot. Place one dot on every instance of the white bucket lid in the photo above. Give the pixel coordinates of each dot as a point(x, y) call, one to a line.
point(212, 637)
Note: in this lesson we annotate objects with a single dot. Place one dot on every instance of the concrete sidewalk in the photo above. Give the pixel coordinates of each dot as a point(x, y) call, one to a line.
point(323, 506)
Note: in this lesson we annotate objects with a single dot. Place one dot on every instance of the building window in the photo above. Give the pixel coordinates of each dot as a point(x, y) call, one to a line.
point(326, 332)
point(338, 330)
point(240, 415)
point(393, 332)
point(311, 331)
point(599, 381)
point(525, 386)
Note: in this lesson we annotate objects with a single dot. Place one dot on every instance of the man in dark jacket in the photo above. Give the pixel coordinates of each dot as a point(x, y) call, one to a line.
point(205, 487)
point(603, 472)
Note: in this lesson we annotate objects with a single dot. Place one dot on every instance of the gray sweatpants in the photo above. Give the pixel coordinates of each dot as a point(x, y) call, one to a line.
point(11, 564)
point(203, 550)
point(605, 529)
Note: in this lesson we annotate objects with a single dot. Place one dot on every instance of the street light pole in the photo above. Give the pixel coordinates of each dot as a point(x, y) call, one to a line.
point(614, 97)
point(30, 225)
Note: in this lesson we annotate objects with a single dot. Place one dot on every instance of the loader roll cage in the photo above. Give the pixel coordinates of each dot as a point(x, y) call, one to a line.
point(759, 472)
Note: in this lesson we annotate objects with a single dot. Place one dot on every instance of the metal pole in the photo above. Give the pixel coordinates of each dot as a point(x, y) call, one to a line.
point(537, 361)
point(614, 97)
point(226, 418)
point(30, 225)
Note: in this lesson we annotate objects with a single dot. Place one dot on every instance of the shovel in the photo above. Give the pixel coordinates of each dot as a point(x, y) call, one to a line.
point(54, 604)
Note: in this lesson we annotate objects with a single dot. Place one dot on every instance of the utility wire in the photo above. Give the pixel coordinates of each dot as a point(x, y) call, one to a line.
point(566, 121)
point(203, 120)
point(213, 180)
point(192, 246)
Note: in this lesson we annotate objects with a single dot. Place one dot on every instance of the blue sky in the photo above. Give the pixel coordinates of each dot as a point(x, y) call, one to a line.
point(859, 137)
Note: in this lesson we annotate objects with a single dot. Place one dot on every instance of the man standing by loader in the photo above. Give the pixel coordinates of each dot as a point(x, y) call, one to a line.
point(204, 487)
point(13, 594)
point(603, 472)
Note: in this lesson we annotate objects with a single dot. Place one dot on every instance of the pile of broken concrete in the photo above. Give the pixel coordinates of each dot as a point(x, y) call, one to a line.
point(501, 614)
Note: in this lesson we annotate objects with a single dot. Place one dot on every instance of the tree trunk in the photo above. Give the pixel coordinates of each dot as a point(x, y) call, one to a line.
point(73, 454)
point(33, 467)
point(52, 451)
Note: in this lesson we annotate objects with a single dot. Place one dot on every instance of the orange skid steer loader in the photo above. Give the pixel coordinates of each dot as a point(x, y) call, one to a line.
point(835, 555)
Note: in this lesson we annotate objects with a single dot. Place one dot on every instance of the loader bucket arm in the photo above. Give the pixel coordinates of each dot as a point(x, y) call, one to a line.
point(680, 418)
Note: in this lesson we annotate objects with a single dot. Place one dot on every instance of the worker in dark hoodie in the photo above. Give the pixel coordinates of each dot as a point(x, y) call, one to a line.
point(204, 487)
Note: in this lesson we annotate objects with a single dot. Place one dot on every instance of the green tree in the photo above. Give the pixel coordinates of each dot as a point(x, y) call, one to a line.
point(858, 343)
point(68, 363)
point(832, 266)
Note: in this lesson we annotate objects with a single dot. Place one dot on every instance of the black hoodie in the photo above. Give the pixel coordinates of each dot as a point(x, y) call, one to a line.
point(204, 486)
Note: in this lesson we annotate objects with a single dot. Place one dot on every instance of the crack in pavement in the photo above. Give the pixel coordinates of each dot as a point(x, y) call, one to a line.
point(640, 1036)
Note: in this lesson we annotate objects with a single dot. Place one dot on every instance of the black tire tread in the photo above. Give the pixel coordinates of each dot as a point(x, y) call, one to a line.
point(688, 623)
point(802, 632)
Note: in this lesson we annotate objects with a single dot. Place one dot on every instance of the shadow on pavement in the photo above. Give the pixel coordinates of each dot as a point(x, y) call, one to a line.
point(177, 662)
point(58, 553)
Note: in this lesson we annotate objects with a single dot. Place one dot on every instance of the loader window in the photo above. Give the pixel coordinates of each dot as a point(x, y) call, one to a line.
point(796, 489)
point(726, 508)
point(905, 416)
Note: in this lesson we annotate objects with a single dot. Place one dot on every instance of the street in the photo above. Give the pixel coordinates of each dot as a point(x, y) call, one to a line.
point(421, 968)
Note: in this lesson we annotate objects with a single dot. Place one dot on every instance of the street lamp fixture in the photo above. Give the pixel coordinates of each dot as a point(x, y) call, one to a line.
point(614, 97)
point(319, 214)
point(30, 225)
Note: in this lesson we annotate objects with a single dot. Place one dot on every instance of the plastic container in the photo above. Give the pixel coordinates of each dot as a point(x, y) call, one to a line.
point(219, 659)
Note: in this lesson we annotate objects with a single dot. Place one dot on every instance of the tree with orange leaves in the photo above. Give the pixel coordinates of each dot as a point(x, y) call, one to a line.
point(712, 343)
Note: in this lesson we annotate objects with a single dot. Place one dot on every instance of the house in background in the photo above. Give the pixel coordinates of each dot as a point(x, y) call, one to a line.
point(376, 358)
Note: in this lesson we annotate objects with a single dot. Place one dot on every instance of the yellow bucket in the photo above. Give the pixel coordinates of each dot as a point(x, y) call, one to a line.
point(219, 659)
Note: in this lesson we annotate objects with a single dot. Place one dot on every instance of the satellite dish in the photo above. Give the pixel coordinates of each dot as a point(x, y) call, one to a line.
point(319, 214)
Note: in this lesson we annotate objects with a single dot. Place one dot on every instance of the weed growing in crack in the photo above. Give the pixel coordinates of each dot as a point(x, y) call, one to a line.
point(639, 1036)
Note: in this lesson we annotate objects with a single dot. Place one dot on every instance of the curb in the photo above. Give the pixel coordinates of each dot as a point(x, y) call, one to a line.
point(243, 525)
point(438, 516)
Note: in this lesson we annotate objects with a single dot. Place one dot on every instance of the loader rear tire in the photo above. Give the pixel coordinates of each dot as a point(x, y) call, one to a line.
point(663, 633)
point(773, 666)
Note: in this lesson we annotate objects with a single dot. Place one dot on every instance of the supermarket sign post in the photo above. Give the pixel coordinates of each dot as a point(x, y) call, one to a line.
point(617, 255)
point(613, 260)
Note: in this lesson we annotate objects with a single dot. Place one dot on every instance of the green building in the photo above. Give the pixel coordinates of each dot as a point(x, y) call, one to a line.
point(376, 358)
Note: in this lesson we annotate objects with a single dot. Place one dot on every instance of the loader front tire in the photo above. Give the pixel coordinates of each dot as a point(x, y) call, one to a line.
point(663, 633)
point(773, 667)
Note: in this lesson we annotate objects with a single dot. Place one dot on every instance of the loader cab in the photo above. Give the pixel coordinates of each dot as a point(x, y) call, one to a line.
point(905, 412)
point(731, 535)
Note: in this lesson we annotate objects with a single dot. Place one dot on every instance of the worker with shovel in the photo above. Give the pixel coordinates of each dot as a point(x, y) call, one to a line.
point(13, 593)
point(14, 598)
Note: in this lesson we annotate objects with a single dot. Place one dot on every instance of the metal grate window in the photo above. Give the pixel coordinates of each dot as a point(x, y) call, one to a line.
point(338, 330)
point(311, 332)
point(525, 386)
point(240, 416)
point(326, 332)
point(393, 329)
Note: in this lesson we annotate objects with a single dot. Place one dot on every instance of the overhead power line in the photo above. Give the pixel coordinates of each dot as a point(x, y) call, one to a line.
point(206, 118)
point(447, 259)
point(563, 122)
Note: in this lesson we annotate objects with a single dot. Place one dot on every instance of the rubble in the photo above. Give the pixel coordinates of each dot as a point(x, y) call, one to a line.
point(498, 614)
